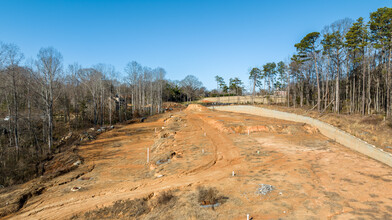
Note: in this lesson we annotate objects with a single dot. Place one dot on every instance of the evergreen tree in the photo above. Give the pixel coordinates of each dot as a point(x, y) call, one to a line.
point(269, 72)
point(220, 83)
point(333, 48)
point(281, 69)
point(255, 76)
point(381, 35)
point(307, 50)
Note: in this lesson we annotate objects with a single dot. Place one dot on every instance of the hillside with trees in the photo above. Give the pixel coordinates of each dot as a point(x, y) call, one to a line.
point(42, 100)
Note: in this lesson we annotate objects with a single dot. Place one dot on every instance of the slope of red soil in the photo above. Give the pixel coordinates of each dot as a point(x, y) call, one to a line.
point(193, 155)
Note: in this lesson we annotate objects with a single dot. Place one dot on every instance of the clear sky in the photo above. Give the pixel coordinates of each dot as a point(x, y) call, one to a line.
point(203, 38)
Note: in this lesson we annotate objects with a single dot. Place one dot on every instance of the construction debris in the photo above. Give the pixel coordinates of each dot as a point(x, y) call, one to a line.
point(75, 188)
point(159, 162)
point(77, 163)
point(264, 189)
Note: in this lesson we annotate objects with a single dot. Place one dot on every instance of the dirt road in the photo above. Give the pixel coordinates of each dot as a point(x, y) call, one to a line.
point(194, 152)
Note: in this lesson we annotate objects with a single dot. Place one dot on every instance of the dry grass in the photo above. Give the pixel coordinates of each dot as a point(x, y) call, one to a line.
point(123, 209)
point(210, 196)
point(165, 198)
point(132, 209)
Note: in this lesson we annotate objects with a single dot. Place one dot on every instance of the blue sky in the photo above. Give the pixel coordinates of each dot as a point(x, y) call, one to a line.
point(203, 38)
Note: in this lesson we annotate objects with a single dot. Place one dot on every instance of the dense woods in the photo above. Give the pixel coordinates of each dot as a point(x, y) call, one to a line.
point(41, 101)
point(344, 68)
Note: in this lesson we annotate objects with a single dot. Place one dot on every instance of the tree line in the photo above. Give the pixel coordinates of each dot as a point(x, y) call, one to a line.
point(235, 86)
point(344, 68)
point(41, 100)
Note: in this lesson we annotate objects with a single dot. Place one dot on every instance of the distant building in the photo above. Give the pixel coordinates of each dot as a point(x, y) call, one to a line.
point(280, 93)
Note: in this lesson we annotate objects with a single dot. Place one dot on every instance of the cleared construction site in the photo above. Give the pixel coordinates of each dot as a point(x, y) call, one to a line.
point(196, 109)
point(226, 162)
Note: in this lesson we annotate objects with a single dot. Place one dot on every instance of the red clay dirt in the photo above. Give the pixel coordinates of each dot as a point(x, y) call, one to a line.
point(194, 152)
point(374, 129)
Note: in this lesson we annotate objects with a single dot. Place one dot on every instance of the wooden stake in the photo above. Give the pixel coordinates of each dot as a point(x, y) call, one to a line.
point(148, 154)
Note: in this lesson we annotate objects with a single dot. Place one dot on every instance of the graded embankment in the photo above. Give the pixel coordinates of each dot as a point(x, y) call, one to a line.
point(329, 131)
point(217, 165)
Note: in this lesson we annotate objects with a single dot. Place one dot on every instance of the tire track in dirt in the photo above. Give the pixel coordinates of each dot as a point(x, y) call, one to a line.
point(225, 152)
point(225, 156)
point(313, 177)
point(195, 120)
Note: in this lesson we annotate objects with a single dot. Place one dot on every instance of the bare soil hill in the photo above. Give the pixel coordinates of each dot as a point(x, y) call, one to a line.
point(215, 165)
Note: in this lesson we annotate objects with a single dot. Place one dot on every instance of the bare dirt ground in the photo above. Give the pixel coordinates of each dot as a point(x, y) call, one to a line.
point(192, 156)
point(370, 128)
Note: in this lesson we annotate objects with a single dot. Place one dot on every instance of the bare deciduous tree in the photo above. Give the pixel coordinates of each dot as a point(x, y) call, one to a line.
point(49, 69)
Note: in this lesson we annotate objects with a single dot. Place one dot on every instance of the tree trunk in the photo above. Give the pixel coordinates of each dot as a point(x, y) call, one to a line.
point(337, 89)
point(326, 84)
point(15, 96)
point(288, 89)
point(369, 87)
point(353, 95)
point(347, 81)
point(389, 84)
point(110, 109)
point(363, 83)
point(295, 93)
point(377, 96)
point(301, 95)
point(318, 85)
point(102, 107)
point(254, 89)
point(50, 127)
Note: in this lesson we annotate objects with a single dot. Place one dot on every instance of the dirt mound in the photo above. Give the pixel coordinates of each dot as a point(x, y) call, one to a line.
point(196, 107)
point(283, 129)
point(167, 105)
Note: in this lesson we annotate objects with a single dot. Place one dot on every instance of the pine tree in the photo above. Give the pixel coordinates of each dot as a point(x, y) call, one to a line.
point(381, 36)
point(333, 48)
point(307, 50)
point(255, 76)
